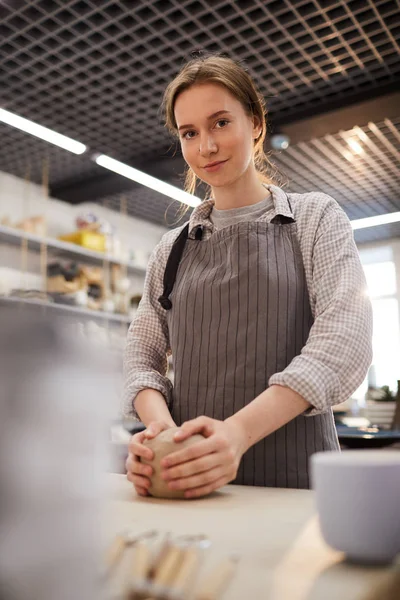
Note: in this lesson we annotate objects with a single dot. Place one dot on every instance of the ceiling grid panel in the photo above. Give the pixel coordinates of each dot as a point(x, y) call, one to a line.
point(371, 170)
point(374, 187)
point(378, 155)
point(329, 178)
point(96, 72)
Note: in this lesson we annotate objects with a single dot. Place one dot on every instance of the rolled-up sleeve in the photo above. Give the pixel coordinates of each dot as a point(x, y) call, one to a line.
point(336, 357)
point(147, 346)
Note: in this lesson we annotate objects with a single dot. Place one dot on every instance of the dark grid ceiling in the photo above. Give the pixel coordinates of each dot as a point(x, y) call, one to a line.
point(96, 71)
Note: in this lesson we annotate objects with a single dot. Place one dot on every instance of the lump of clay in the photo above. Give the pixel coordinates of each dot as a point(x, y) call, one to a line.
point(162, 445)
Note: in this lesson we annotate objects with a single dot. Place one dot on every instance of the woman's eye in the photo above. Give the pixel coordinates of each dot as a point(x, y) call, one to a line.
point(187, 135)
point(223, 121)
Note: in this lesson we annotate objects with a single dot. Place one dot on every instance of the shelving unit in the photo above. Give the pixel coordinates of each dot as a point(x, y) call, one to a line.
point(56, 308)
point(8, 235)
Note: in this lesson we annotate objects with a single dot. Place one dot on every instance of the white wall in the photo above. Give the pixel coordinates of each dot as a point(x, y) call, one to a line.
point(387, 250)
point(19, 200)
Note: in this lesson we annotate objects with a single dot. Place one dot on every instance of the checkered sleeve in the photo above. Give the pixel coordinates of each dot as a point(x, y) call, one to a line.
point(147, 346)
point(336, 357)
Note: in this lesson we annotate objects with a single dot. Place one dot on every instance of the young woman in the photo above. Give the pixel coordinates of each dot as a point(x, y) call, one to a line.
point(260, 298)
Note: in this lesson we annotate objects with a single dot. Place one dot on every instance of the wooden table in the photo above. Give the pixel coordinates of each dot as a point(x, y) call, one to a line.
point(274, 531)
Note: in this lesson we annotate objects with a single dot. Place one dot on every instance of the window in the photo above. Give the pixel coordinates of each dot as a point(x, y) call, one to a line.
point(383, 288)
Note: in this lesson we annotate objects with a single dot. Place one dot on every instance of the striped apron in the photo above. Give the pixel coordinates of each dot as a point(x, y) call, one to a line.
point(238, 311)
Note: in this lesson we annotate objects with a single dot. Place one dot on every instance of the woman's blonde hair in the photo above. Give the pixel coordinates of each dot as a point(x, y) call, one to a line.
point(234, 77)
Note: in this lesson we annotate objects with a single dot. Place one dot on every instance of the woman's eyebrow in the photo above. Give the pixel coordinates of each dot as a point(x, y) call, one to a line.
point(216, 114)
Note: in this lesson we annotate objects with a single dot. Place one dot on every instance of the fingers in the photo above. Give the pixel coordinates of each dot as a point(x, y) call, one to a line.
point(199, 480)
point(137, 448)
point(138, 480)
point(154, 429)
point(134, 465)
point(204, 490)
point(141, 484)
point(207, 446)
point(193, 467)
point(138, 474)
point(200, 425)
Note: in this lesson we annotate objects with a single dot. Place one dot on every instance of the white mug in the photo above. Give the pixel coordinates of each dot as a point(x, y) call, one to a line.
point(358, 502)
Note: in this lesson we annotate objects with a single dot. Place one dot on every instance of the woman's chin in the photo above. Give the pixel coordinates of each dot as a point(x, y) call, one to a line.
point(219, 180)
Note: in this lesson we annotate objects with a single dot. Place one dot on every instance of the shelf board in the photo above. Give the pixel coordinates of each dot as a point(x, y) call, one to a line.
point(64, 308)
point(9, 235)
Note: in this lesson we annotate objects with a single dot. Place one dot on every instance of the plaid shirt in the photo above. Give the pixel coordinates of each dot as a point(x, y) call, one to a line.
point(334, 361)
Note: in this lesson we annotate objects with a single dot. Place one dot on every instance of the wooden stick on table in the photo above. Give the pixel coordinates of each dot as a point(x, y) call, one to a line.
point(188, 567)
point(115, 551)
point(139, 572)
point(120, 542)
point(165, 571)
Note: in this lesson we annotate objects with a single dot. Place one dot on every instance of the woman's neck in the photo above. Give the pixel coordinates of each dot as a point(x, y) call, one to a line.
point(243, 192)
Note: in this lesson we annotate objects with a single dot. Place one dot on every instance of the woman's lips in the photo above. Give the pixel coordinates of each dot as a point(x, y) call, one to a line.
point(215, 166)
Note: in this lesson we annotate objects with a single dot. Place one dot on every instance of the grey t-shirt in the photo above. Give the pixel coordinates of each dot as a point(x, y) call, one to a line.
point(230, 216)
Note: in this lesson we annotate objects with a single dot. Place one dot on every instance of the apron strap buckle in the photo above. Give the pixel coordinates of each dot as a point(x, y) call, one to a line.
point(165, 302)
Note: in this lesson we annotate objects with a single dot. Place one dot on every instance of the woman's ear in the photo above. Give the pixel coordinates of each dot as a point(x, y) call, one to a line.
point(257, 127)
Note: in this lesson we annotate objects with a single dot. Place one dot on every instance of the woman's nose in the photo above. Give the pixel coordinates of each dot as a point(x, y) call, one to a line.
point(207, 145)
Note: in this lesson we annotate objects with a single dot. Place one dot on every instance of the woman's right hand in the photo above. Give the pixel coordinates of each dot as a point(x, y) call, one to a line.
point(137, 472)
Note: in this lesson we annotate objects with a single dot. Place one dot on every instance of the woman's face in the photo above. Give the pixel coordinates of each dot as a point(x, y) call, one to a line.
point(214, 128)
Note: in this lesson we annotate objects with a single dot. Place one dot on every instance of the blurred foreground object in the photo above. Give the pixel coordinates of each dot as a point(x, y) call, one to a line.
point(55, 402)
point(357, 496)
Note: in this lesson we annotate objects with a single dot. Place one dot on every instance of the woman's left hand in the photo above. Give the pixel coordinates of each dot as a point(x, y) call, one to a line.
point(209, 464)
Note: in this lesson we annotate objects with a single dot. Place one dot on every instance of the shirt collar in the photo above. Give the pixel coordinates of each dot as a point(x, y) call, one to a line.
point(200, 215)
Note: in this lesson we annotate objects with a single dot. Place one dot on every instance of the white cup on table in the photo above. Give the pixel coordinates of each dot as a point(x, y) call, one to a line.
point(358, 502)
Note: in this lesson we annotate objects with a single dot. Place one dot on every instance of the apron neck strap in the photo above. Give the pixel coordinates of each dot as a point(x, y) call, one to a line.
point(172, 266)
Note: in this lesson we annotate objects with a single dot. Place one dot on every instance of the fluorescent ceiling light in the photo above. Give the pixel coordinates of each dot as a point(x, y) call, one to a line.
point(147, 180)
point(373, 221)
point(354, 145)
point(348, 155)
point(41, 132)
